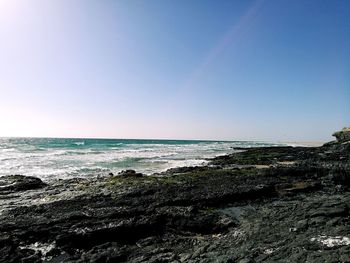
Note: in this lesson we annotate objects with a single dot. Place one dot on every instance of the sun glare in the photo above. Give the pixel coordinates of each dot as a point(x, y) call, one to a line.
point(9, 9)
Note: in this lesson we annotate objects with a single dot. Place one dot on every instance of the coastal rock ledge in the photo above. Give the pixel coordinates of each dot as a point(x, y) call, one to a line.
point(268, 204)
point(343, 135)
point(15, 183)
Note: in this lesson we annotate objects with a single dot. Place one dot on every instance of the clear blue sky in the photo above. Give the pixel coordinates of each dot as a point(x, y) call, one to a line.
point(250, 70)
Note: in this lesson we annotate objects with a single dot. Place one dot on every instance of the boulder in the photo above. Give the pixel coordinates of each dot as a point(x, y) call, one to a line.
point(15, 183)
point(343, 135)
point(130, 173)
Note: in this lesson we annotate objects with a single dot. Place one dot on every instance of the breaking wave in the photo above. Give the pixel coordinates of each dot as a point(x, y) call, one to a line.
point(52, 159)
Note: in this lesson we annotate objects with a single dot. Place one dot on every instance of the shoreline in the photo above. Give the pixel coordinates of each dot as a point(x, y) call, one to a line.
point(51, 159)
point(304, 143)
point(263, 204)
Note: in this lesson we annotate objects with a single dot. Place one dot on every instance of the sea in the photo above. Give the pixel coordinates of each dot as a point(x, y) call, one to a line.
point(57, 158)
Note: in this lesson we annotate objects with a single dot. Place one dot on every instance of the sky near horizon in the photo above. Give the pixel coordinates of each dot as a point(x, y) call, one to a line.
point(272, 70)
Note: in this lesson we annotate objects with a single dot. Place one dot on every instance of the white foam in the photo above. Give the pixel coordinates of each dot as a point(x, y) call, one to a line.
point(43, 248)
point(66, 162)
point(269, 251)
point(329, 241)
point(79, 143)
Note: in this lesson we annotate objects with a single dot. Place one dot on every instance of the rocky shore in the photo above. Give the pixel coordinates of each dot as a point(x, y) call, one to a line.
point(277, 204)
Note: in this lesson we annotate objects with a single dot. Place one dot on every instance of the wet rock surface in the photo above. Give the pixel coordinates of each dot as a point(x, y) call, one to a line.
point(17, 183)
point(129, 173)
point(279, 204)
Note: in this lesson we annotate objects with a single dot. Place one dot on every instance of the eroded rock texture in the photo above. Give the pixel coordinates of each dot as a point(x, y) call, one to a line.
point(279, 204)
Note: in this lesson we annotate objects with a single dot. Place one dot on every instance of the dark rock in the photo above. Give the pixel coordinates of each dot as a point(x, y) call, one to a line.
point(341, 177)
point(265, 156)
point(186, 169)
point(298, 187)
point(343, 135)
point(287, 210)
point(130, 173)
point(15, 183)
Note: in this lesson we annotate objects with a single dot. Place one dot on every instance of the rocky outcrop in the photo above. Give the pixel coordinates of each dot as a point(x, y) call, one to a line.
point(343, 135)
point(15, 183)
point(295, 209)
point(129, 173)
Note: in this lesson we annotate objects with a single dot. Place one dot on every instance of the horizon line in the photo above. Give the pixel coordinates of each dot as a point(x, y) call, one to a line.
point(163, 139)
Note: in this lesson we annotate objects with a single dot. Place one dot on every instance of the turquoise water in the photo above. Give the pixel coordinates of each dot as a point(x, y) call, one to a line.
point(52, 158)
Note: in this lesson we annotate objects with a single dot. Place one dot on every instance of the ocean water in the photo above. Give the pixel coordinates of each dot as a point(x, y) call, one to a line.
point(52, 158)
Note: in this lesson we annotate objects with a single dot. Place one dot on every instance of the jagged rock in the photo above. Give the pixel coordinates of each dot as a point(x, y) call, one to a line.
point(186, 169)
point(130, 173)
point(14, 183)
point(343, 135)
point(298, 212)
